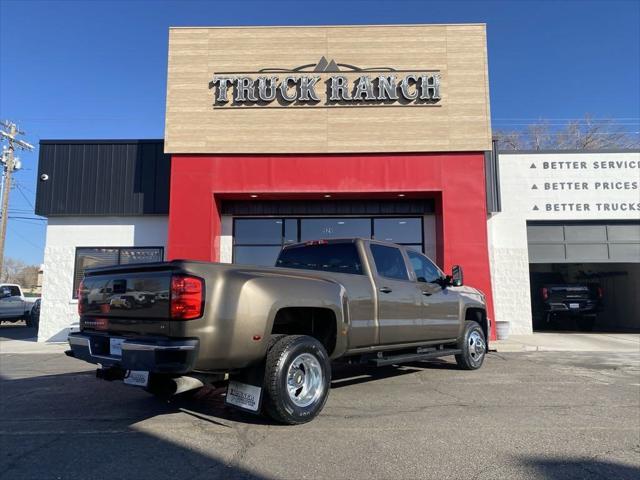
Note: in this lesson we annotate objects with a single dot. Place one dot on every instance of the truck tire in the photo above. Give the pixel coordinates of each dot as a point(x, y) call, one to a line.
point(473, 345)
point(296, 380)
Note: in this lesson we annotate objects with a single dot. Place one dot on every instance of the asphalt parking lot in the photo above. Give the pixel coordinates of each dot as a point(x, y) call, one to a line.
point(548, 415)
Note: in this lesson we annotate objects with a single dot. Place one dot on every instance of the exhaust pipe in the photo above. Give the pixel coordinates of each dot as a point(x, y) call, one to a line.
point(160, 385)
point(184, 384)
point(168, 386)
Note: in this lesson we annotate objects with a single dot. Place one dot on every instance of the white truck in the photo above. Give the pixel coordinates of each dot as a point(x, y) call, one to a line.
point(14, 306)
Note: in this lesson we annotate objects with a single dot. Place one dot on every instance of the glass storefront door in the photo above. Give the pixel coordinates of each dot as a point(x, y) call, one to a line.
point(258, 241)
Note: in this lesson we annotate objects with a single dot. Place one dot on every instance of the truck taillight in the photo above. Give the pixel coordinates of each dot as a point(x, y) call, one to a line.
point(545, 293)
point(600, 293)
point(186, 297)
point(81, 300)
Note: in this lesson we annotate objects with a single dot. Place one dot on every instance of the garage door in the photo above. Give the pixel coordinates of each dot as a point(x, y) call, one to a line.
point(583, 242)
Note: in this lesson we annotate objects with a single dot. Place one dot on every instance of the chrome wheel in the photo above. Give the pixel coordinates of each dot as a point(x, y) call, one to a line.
point(477, 346)
point(305, 380)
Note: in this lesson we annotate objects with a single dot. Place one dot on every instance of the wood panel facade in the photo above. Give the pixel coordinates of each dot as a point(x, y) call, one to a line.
point(458, 121)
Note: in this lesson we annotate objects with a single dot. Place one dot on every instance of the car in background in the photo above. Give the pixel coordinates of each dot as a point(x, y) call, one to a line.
point(14, 306)
point(34, 315)
point(563, 305)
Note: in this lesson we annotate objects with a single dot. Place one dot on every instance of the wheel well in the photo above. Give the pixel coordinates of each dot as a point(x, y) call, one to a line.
point(478, 315)
point(319, 323)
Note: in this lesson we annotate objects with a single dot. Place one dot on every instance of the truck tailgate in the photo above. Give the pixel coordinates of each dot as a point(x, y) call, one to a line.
point(569, 292)
point(134, 300)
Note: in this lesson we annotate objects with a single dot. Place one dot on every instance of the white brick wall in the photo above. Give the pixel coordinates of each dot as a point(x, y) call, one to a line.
point(507, 229)
point(64, 234)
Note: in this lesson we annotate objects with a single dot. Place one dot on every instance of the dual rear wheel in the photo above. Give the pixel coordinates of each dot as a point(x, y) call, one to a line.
point(298, 373)
point(297, 378)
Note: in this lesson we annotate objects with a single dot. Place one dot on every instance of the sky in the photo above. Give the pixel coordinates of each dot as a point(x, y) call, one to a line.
point(97, 69)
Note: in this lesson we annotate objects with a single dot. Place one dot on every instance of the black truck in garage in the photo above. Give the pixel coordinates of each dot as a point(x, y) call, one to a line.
point(562, 305)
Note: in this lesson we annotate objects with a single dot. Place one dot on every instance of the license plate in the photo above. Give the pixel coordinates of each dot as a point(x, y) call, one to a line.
point(574, 305)
point(115, 346)
point(244, 396)
point(137, 378)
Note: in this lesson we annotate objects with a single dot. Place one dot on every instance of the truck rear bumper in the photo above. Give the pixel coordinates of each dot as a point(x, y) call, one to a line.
point(572, 308)
point(156, 356)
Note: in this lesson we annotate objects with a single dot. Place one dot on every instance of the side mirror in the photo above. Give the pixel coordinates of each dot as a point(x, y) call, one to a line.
point(457, 277)
point(5, 293)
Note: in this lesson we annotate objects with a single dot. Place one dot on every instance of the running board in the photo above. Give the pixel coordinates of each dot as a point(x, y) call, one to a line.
point(413, 357)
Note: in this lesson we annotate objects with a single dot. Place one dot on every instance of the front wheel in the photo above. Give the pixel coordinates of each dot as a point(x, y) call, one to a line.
point(297, 379)
point(473, 346)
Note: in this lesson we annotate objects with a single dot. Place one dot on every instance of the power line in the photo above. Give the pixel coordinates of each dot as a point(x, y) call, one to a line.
point(24, 185)
point(27, 218)
point(613, 125)
point(539, 119)
point(27, 240)
point(553, 134)
point(9, 132)
point(19, 187)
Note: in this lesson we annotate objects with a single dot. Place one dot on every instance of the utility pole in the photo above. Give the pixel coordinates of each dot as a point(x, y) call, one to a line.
point(10, 163)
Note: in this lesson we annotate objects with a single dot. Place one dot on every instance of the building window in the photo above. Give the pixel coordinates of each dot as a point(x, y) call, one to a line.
point(404, 231)
point(258, 241)
point(91, 257)
point(326, 228)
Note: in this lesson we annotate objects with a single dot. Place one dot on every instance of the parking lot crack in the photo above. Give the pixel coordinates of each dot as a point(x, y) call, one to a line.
point(244, 435)
point(460, 401)
point(13, 463)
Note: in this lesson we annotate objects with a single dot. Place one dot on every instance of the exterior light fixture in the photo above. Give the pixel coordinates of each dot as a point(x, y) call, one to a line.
point(254, 196)
point(401, 194)
point(327, 196)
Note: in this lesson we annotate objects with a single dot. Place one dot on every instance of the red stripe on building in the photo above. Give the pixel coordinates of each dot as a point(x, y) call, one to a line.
point(456, 182)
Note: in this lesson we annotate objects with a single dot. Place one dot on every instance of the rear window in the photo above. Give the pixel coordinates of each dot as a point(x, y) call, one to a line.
point(331, 257)
point(11, 290)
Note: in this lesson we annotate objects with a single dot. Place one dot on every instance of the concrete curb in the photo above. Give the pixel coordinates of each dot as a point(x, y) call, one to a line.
point(569, 342)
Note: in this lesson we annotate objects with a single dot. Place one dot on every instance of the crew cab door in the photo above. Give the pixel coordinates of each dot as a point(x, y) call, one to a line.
point(440, 305)
point(399, 303)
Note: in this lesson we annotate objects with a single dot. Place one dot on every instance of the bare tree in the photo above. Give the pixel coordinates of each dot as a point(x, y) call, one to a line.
point(585, 134)
point(16, 271)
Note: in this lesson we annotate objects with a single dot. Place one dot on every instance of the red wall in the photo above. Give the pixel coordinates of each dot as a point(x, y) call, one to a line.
point(455, 181)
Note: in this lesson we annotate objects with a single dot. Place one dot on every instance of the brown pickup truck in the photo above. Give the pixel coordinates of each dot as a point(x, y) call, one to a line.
point(273, 332)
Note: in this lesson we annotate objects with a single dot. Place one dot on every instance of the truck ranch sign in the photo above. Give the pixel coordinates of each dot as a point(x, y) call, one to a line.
point(380, 87)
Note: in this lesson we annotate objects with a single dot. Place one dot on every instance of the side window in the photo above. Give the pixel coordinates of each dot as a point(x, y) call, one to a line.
point(424, 268)
point(389, 262)
point(15, 291)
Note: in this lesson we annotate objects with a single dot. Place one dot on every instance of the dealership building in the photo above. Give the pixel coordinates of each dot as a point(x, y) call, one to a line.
point(278, 135)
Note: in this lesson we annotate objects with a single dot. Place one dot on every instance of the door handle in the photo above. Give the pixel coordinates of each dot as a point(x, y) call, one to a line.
point(426, 293)
point(385, 290)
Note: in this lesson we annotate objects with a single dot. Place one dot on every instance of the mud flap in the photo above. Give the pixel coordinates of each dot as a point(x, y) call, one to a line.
point(245, 389)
